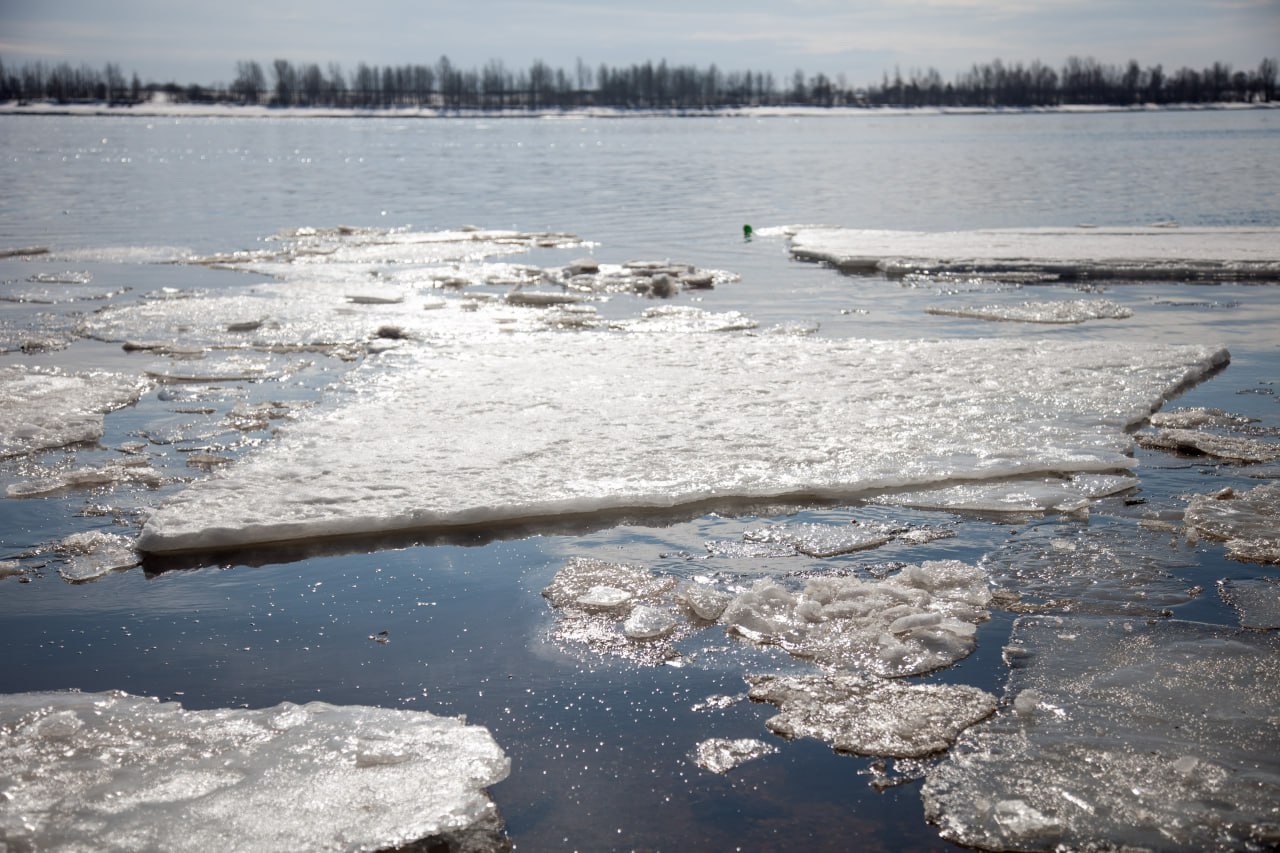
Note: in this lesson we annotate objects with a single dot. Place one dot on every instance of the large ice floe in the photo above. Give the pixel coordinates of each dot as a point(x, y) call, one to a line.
point(499, 427)
point(110, 771)
point(1121, 735)
point(1081, 252)
point(42, 409)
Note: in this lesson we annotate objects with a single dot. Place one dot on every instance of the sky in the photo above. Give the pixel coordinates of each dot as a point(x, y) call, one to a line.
point(185, 42)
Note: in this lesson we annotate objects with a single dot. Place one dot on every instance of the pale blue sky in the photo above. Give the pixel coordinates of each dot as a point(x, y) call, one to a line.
point(200, 42)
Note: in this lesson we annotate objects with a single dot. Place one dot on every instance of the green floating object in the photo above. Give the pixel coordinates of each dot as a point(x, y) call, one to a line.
point(746, 232)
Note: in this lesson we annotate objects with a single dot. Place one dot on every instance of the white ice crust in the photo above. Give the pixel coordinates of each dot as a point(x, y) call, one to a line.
point(110, 771)
point(43, 409)
point(1042, 311)
point(1150, 252)
point(501, 427)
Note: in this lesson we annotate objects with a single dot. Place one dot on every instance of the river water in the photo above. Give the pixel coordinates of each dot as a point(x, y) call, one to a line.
point(600, 744)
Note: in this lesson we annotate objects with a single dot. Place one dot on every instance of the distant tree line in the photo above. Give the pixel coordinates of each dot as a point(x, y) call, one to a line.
point(442, 85)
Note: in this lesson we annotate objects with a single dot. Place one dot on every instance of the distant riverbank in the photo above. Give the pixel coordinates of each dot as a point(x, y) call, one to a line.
point(160, 108)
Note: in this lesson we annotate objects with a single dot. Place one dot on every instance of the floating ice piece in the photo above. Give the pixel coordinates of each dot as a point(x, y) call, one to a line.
point(130, 470)
point(1249, 522)
point(39, 410)
point(865, 715)
point(601, 580)
point(594, 421)
point(1233, 448)
point(918, 620)
point(1257, 601)
point(542, 298)
point(1045, 311)
point(720, 755)
point(93, 554)
point(824, 540)
point(1153, 735)
point(110, 771)
point(1064, 494)
point(1131, 253)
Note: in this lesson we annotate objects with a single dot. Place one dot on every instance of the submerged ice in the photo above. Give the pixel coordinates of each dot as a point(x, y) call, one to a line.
point(1153, 735)
point(110, 771)
point(499, 427)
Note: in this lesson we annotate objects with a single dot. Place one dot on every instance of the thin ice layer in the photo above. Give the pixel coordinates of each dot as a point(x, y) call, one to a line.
point(1257, 600)
point(531, 425)
point(1159, 735)
point(109, 771)
point(1045, 311)
point(1131, 253)
point(42, 409)
point(870, 716)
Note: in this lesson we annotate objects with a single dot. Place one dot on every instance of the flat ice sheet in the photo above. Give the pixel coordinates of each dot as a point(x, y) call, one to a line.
point(110, 771)
point(1136, 253)
point(1120, 734)
point(506, 427)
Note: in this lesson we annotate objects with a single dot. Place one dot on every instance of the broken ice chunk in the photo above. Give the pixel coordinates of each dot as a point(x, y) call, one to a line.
point(647, 622)
point(720, 755)
point(1232, 448)
point(112, 771)
point(42, 409)
point(1248, 522)
point(92, 554)
point(870, 716)
point(603, 598)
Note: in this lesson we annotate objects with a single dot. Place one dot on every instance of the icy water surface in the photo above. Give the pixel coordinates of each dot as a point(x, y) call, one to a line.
point(720, 547)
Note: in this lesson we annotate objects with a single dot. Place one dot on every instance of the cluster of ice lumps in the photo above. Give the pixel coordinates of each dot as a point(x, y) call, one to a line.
point(1040, 311)
point(1083, 252)
point(1248, 522)
point(114, 771)
point(42, 409)
point(351, 291)
point(865, 715)
point(922, 618)
point(1155, 735)
point(503, 427)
